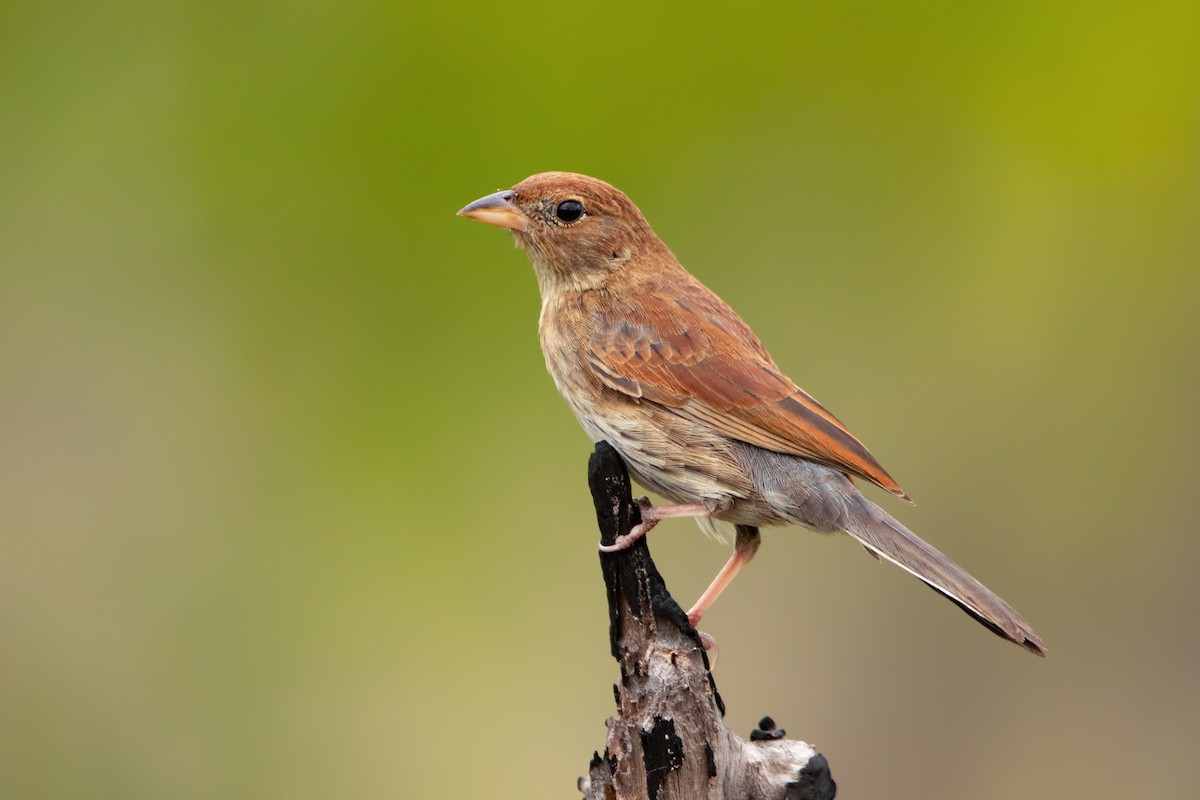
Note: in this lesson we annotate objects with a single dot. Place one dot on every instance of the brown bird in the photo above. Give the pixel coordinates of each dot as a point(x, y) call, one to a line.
point(662, 369)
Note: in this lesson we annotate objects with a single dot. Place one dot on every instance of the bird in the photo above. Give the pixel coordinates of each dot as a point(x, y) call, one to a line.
point(656, 364)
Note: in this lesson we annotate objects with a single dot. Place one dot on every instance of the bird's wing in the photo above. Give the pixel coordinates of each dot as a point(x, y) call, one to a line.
point(688, 351)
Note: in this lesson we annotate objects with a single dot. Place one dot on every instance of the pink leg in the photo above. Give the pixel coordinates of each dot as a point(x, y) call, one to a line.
point(744, 549)
point(651, 516)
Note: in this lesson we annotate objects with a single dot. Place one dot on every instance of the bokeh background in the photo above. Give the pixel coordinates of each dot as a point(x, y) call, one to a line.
point(289, 508)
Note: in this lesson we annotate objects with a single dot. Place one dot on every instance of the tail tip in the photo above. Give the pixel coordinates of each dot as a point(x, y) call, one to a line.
point(1031, 642)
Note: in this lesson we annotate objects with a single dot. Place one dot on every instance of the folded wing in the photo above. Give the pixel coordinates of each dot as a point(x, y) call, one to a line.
point(688, 351)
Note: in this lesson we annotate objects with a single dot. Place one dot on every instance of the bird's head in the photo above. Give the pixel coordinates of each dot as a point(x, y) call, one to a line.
point(578, 231)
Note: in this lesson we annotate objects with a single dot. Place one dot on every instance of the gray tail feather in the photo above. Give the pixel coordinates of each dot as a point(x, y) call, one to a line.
point(886, 538)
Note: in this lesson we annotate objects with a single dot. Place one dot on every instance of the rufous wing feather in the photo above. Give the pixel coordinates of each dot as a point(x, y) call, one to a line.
point(688, 351)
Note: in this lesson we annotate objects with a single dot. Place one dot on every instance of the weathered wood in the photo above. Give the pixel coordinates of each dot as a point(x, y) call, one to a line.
point(669, 740)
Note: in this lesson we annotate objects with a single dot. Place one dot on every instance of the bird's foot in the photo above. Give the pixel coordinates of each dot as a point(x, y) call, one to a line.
point(710, 646)
point(651, 515)
point(707, 641)
point(626, 540)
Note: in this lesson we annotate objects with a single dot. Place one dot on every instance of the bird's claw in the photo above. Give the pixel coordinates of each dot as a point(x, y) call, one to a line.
point(627, 540)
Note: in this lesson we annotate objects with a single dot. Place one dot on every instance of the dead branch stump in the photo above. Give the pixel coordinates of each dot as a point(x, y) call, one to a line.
point(669, 740)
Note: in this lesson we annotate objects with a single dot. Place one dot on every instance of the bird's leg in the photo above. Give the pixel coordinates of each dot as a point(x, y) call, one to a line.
point(651, 514)
point(744, 549)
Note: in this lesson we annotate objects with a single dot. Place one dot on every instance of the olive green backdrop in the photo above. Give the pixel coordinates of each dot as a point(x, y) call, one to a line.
point(289, 508)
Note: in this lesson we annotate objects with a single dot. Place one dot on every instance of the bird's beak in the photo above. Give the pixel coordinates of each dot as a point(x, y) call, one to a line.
point(497, 209)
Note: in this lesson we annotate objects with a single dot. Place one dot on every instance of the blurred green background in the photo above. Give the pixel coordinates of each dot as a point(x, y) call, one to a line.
point(289, 508)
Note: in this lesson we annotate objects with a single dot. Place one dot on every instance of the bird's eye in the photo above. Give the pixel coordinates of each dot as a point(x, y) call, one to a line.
point(569, 210)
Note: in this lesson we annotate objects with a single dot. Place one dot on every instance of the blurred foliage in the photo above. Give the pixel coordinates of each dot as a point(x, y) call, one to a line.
point(288, 507)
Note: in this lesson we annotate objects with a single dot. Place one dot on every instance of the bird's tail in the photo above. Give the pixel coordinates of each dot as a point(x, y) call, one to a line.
point(884, 537)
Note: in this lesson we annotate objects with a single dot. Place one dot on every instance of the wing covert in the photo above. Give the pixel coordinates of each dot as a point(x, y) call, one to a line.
point(692, 354)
